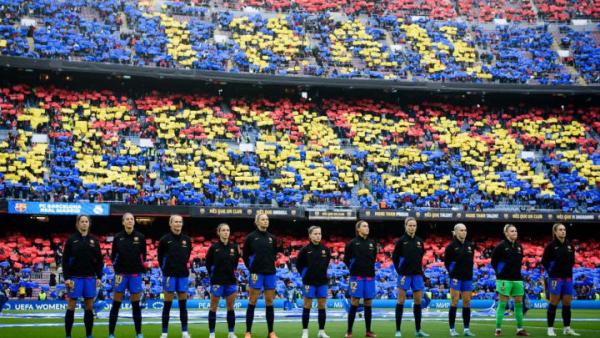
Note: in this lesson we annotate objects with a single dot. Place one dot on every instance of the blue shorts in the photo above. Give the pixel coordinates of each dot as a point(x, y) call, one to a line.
point(362, 287)
point(561, 286)
point(414, 282)
point(132, 282)
point(461, 285)
point(175, 284)
point(312, 291)
point(83, 287)
point(260, 281)
point(223, 290)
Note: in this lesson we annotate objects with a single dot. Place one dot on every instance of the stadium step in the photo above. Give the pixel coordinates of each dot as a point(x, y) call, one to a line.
point(357, 63)
point(125, 25)
point(31, 44)
point(157, 4)
point(388, 38)
point(534, 8)
point(576, 75)
point(556, 47)
point(90, 13)
point(596, 37)
point(354, 201)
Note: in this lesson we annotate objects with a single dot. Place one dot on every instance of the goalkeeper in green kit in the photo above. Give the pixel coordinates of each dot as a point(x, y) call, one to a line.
point(506, 261)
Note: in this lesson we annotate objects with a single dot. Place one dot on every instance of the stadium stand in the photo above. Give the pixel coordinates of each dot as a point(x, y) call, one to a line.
point(394, 40)
point(563, 11)
point(28, 262)
point(220, 144)
point(59, 144)
point(63, 145)
point(315, 149)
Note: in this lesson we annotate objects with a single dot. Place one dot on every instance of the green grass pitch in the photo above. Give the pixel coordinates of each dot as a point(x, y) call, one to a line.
point(585, 322)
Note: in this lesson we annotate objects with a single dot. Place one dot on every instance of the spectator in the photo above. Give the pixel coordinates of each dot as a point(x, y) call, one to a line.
point(42, 295)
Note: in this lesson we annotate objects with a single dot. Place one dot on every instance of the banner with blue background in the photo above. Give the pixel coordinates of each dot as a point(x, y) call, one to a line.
point(51, 208)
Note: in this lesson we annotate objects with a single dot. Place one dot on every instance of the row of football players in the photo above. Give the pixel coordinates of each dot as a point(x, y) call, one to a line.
point(83, 264)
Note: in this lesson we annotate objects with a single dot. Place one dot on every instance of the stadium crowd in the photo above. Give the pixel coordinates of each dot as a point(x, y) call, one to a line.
point(195, 149)
point(396, 40)
point(23, 262)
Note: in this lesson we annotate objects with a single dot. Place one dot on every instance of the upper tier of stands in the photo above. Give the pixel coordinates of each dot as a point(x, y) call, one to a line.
point(395, 40)
point(469, 10)
point(152, 148)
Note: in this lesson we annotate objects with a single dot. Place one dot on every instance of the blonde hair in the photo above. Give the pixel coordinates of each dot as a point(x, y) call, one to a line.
point(508, 226)
point(456, 228)
point(173, 216)
point(257, 217)
point(358, 224)
point(408, 219)
point(554, 227)
point(125, 214)
point(222, 225)
point(313, 228)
